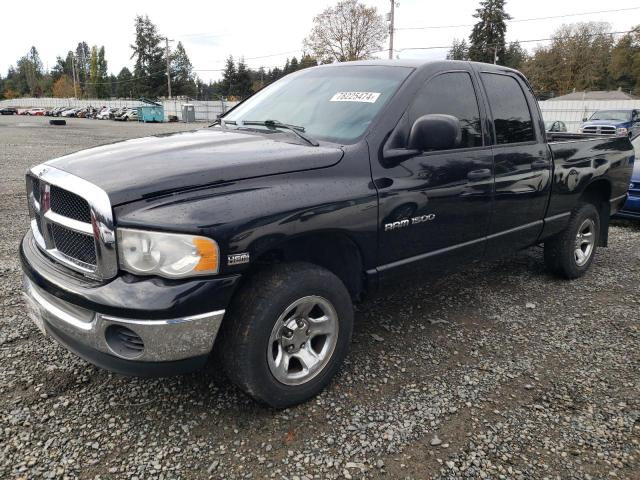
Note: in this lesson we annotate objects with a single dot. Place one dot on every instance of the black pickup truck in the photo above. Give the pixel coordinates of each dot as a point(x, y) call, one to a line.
point(249, 240)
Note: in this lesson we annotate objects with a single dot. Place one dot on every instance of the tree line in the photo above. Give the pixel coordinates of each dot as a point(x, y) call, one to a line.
point(580, 56)
point(83, 72)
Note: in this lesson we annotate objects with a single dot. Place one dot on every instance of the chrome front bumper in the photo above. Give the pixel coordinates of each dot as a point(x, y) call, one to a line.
point(166, 340)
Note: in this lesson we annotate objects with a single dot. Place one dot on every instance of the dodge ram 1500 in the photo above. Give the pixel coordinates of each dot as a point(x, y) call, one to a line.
point(251, 239)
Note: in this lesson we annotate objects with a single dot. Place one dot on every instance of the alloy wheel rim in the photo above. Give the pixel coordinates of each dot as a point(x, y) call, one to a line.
point(302, 340)
point(584, 243)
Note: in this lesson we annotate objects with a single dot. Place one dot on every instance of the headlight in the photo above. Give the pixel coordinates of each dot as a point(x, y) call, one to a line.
point(170, 255)
point(580, 130)
point(622, 132)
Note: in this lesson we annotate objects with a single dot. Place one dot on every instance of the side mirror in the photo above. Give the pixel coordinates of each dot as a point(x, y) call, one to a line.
point(435, 132)
point(584, 119)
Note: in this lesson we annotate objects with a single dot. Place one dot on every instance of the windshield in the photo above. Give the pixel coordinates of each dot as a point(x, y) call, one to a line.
point(617, 115)
point(336, 104)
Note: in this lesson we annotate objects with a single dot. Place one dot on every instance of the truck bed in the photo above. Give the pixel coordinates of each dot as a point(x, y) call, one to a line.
point(582, 159)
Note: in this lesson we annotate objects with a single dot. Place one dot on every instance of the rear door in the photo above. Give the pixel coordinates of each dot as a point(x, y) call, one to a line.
point(435, 206)
point(522, 164)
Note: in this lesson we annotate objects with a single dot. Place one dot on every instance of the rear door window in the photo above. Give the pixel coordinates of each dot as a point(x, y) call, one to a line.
point(511, 116)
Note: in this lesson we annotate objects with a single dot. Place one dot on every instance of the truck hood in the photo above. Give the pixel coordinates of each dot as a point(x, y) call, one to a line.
point(144, 167)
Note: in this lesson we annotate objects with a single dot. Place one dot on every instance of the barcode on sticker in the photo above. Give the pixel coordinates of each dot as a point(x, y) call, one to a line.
point(366, 97)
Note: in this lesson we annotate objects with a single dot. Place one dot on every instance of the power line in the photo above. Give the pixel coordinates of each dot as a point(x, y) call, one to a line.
point(249, 58)
point(525, 19)
point(516, 41)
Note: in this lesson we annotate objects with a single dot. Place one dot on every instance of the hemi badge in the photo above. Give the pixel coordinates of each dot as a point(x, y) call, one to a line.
point(237, 259)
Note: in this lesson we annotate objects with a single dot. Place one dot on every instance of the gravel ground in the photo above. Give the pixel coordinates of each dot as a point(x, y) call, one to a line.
point(501, 371)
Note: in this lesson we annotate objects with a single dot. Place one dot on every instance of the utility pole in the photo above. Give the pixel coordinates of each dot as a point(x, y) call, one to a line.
point(73, 70)
point(391, 21)
point(168, 65)
point(495, 55)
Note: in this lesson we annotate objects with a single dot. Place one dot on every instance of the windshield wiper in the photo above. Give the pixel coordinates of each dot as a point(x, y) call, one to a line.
point(273, 124)
point(222, 122)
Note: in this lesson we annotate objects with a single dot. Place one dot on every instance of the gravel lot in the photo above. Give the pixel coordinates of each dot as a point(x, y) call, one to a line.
point(501, 371)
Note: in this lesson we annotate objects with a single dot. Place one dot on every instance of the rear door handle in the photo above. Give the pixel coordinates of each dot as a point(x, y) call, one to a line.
point(540, 164)
point(481, 174)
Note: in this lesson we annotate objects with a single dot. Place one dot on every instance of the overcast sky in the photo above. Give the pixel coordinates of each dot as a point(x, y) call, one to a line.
point(212, 30)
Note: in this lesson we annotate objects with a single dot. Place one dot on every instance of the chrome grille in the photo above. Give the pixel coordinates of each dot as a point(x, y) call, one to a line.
point(69, 205)
point(72, 222)
point(74, 245)
point(600, 129)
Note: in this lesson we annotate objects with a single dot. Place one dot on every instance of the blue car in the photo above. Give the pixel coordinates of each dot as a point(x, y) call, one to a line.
point(631, 208)
point(612, 122)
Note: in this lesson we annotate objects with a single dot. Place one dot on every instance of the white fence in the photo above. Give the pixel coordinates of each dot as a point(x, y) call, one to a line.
point(571, 112)
point(205, 110)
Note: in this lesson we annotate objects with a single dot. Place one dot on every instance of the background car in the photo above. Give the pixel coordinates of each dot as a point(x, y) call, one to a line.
point(131, 115)
point(613, 122)
point(631, 208)
point(555, 126)
point(8, 111)
point(69, 112)
point(104, 113)
point(126, 114)
point(38, 112)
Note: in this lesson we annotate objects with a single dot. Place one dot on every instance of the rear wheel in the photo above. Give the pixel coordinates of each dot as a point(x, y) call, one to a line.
point(288, 330)
point(571, 252)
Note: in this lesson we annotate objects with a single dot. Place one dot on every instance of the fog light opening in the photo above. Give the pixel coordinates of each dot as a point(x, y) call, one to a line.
point(124, 342)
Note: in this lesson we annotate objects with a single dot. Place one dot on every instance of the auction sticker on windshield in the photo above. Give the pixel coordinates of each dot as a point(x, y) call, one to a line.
point(366, 97)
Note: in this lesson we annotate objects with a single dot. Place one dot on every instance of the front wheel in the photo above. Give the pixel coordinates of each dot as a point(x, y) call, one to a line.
point(571, 252)
point(287, 333)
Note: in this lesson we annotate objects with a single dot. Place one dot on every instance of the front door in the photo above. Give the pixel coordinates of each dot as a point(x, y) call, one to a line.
point(434, 208)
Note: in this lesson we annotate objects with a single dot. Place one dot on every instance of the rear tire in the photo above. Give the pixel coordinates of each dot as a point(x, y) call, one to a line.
point(570, 253)
point(272, 343)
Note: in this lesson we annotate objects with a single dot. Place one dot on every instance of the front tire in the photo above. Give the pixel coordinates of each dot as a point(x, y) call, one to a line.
point(570, 253)
point(287, 333)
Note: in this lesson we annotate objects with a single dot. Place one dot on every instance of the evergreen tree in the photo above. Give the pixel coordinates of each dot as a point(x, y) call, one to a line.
point(182, 77)
point(276, 74)
point(63, 66)
point(308, 61)
point(29, 74)
point(103, 88)
point(150, 64)
point(83, 61)
point(459, 50)
point(229, 77)
point(243, 80)
point(14, 84)
point(514, 56)
point(487, 37)
point(113, 86)
point(125, 87)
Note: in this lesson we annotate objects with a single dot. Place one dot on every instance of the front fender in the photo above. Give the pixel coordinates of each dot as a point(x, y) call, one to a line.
point(255, 216)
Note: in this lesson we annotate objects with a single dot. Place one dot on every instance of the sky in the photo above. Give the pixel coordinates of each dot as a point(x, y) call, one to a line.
point(264, 32)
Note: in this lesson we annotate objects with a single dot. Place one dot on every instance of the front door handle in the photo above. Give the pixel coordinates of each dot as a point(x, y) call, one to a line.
point(540, 164)
point(475, 175)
